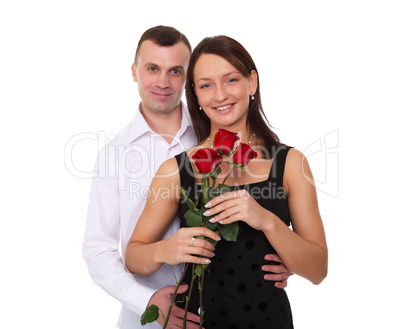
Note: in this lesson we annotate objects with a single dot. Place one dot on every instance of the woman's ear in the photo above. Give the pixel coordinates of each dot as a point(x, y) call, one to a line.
point(253, 77)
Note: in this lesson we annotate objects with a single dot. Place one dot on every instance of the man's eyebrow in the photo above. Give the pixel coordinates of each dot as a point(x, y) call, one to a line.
point(177, 67)
point(151, 64)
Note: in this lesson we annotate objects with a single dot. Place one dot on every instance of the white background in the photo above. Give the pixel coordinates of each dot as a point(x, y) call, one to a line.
point(326, 68)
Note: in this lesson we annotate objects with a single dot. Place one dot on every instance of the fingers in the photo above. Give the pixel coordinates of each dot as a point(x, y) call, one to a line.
point(227, 216)
point(199, 231)
point(276, 277)
point(199, 242)
point(274, 267)
point(230, 219)
point(220, 207)
point(273, 257)
point(196, 260)
point(224, 197)
point(201, 252)
point(181, 290)
point(179, 313)
point(194, 318)
point(278, 269)
point(281, 284)
point(279, 273)
point(192, 325)
point(228, 207)
point(187, 243)
point(176, 320)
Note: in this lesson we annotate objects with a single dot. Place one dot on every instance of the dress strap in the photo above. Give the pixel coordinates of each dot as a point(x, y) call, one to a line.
point(278, 164)
point(187, 179)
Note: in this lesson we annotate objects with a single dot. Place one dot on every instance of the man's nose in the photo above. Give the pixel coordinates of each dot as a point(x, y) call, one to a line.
point(163, 81)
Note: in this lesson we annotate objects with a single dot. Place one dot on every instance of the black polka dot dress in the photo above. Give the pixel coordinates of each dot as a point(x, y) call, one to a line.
point(236, 296)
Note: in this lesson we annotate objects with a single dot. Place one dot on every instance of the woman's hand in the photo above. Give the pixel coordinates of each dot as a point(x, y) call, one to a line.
point(186, 244)
point(279, 272)
point(237, 205)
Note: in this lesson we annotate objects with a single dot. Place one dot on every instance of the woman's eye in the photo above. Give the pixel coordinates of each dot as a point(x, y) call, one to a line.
point(204, 86)
point(231, 80)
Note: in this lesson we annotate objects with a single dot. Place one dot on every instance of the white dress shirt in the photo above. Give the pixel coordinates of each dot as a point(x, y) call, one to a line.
point(122, 176)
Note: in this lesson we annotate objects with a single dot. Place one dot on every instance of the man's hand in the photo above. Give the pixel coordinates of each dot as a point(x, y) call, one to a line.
point(280, 272)
point(162, 298)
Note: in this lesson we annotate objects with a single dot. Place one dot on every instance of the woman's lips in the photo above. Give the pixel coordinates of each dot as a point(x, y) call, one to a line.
point(224, 108)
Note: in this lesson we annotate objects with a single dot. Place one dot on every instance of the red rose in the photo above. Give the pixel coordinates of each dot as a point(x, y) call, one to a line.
point(243, 155)
point(225, 140)
point(206, 160)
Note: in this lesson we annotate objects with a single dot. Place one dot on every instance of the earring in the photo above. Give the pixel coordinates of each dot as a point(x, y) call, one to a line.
point(200, 108)
point(252, 97)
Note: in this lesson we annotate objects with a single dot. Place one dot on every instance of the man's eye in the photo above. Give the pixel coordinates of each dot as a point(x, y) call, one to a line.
point(152, 69)
point(176, 71)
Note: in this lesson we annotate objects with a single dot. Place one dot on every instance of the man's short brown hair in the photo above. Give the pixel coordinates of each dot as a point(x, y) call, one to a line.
point(164, 36)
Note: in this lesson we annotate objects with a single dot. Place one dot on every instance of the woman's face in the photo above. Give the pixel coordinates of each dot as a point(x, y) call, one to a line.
point(222, 91)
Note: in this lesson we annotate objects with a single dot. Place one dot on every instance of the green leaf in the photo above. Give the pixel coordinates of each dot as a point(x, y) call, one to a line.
point(199, 199)
point(213, 242)
point(211, 226)
point(226, 189)
point(150, 315)
point(213, 192)
point(229, 232)
point(198, 269)
point(189, 202)
point(194, 219)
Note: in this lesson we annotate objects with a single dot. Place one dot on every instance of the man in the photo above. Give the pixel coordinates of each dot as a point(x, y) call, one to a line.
point(125, 168)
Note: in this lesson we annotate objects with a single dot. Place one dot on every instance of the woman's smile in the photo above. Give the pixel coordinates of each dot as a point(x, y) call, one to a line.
point(223, 109)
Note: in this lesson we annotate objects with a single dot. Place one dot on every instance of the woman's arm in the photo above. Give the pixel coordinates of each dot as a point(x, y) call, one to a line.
point(303, 250)
point(144, 252)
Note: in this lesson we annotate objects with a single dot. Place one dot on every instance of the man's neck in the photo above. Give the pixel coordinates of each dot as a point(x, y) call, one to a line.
point(165, 124)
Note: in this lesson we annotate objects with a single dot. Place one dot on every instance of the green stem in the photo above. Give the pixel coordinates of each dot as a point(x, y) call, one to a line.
point(206, 189)
point(189, 296)
point(201, 299)
point(174, 297)
point(223, 183)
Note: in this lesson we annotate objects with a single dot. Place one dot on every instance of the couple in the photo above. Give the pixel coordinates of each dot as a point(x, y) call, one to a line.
point(222, 91)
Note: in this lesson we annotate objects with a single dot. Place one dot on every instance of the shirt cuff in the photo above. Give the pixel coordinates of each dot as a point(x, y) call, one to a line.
point(139, 297)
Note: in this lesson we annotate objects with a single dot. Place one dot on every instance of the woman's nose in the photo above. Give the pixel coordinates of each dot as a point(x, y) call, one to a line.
point(220, 94)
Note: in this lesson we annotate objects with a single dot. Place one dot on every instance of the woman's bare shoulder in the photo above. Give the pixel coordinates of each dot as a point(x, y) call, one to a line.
point(297, 169)
point(168, 169)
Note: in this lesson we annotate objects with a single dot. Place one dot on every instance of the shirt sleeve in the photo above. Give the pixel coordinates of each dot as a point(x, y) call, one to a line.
point(102, 240)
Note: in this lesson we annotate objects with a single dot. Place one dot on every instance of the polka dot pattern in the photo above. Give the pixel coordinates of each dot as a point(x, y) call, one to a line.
point(235, 292)
point(236, 296)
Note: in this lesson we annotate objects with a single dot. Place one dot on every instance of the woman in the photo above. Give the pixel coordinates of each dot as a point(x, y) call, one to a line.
point(222, 91)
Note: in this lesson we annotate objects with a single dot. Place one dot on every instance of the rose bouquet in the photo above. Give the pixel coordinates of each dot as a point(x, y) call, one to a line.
point(207, 162)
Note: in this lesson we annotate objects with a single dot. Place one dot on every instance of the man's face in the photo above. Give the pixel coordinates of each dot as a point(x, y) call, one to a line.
point(160, 73)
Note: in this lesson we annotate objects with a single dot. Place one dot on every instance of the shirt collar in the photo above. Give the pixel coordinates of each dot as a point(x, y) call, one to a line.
point(139, 126)
point(185, 120)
